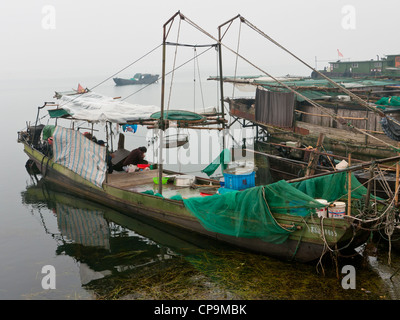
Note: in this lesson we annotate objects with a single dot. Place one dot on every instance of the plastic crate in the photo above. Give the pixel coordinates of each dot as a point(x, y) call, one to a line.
point(240, 181)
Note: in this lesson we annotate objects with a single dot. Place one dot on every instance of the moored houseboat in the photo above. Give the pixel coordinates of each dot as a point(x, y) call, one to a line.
point(280, 219)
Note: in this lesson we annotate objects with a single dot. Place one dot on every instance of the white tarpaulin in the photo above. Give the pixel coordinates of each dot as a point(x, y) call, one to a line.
point(79, 154)
point(95, 107)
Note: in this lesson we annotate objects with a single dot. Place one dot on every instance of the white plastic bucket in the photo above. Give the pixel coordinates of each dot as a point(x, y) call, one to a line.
point(322, 212)
point(342, 165)
point(184, 180)
point(337, 211)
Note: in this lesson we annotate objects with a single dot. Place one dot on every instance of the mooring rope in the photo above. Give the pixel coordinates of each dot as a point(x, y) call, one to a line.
point(269, 209)
point(173, 70)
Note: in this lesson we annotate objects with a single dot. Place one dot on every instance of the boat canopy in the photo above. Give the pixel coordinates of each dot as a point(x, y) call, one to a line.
point(80, 154)
point(95, 107)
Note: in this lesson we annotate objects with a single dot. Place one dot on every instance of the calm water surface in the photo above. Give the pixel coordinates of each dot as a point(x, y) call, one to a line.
point(100, 253)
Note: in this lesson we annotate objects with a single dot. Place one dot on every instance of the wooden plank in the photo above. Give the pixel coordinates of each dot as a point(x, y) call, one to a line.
point(349, 187)
point(125, 180)
point(314, 156)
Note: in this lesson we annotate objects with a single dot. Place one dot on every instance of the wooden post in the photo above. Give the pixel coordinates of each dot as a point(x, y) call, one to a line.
point(349, 191)
point(396, 200)
point(369, 186)
point(121, 141)
point(111, 138)
point(314, 156)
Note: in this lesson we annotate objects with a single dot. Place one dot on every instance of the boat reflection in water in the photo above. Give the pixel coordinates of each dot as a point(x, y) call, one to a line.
point(103, 241)
point(115, 251)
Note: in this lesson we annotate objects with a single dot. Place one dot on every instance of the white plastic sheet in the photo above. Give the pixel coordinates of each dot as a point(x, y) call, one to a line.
point(95, 107)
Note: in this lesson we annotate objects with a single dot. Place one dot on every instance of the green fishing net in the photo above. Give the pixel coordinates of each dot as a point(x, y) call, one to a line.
point(388, 101)
point(331, 187)
point(251, 213)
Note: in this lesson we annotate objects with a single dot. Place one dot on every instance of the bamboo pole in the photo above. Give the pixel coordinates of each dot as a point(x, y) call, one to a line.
point(161, 123)
point(327, 115)
point(369, 186)
point(353, 168)
point(314, 156)
point(349, 191)
point(305, 149)
point(396, 200)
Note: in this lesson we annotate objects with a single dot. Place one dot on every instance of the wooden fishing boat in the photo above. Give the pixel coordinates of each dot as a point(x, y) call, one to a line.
point(292, 160)
point(138, 78)
point(345, 110)
point(288, 117)
point(308, 238)
point(279, 220)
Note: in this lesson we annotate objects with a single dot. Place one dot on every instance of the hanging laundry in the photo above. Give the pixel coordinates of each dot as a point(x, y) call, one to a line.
point(129, 128)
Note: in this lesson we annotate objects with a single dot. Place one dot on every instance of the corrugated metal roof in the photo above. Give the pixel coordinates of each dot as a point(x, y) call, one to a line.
point(317, 95)
point(323, 83)
point(316, 89)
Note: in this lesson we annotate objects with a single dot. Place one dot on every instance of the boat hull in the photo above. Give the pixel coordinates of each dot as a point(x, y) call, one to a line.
point(124, 82)
point(308, 243)
point(338, 138)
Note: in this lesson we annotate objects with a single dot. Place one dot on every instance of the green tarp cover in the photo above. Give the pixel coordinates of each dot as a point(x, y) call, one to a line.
point(222, 160)
point(48, 131)
point(250, 213)
point(58, 113)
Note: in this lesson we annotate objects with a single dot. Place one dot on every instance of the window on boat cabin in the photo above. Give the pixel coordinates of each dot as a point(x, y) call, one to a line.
point(354, 65)
point(335, 65)
point(378, 64)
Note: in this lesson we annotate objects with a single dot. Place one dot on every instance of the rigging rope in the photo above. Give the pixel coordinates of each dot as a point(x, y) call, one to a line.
point(201, 87)
point(129, 65)
point(334, 116)
point(237, 58)
point(173, 66)
point(113, 75)
point(194, 80)
point(362, 102)
point(348, 92)
point(168, 73)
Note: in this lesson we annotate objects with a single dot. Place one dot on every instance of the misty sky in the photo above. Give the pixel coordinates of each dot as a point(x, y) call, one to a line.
point(47, 39)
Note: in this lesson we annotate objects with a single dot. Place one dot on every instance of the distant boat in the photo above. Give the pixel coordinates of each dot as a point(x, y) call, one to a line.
point(138, 78)
point(388, 66)
point(330, 112)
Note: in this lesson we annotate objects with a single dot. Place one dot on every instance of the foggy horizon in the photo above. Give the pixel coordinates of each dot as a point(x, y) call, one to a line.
point(50, 39)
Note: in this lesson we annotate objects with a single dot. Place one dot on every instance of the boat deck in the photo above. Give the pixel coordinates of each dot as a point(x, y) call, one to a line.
point(142, 181)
